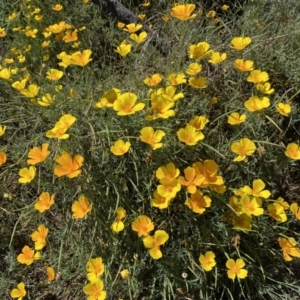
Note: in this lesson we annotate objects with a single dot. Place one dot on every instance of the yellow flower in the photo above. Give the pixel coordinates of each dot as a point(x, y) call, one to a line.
point(70, 36)
point(243, 148)
point(95, 268)
point(2, 32)
point(198, 202)
point(132, 28)
point(5, 73)
point(154, 242)
point(198, 83)
point(38, 155)
point(210, 14)
point(118, 225)
point(56, 28)
point(81, 207)
point(169, 171)
point(255, 103)
point(68, 166)
point(283, 203)
point(168, 188)
point(145, 4)
point(251, 206)
point(235, 269)
point(12, 16)
point(142, 225)
point(207, 261)
point(57, 7)
point(27, 174)
point(293, 151)
point(183, 12)
point(176, 78)
point(209, 170)
point(160, 106)
point(160, 201)
point(199, 122)
point(242, 222)
point(191, 180)
point(153, 80)
point(46, 100)
point(139, 38)
point(66, 59)
point(3, 158)
point(224, 7)
point(264, 88)
point(125, 104)
point(108, 99)
point(58, 133)
point(39, 237)
point(31, 91)
point(125, 274)
point(257, 190)
point(20, 85)
point(217, 58)
point(19, 292)
point(258, 76)
point(289, 248)
point(284, 109)
point(235, 118)
point(199, 50)
point(120, 147)
point(95, 291)
point(295, 209)
point(193, 69)
point(28, 256)
point(54, 74)
point(189, 135)
point(151, 137)
point(81, 58)
point(44, 202)
point(277, 212)
point(240, 43)
point(2, 130)
point(51, 274)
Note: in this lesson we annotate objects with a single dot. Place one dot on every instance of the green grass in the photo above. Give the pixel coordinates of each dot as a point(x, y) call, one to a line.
point(129, 181)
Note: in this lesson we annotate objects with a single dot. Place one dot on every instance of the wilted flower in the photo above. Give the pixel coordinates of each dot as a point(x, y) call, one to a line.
point(51, 274)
